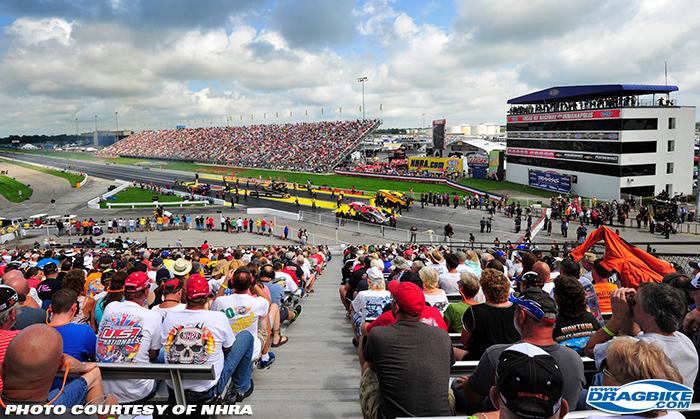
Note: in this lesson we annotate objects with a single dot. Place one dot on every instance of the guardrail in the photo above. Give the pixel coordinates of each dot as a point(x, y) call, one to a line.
point(133, 205)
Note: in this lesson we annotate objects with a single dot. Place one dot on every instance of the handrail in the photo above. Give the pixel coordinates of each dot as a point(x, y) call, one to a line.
point(173, 372)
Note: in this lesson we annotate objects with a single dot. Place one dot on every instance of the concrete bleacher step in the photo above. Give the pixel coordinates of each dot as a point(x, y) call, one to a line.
point(316, 373)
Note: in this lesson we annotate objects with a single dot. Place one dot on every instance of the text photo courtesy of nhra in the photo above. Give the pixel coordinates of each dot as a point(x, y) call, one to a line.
point(372, 209)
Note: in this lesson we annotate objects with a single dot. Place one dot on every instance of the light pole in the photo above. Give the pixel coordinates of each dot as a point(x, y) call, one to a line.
point(76, 130)
point(362, 80)
point(116, 126)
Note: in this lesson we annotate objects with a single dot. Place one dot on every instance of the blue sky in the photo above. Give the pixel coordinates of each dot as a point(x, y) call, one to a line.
point(165, 62)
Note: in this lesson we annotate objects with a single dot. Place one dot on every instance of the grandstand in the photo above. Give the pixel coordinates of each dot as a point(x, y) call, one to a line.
point(309, 147)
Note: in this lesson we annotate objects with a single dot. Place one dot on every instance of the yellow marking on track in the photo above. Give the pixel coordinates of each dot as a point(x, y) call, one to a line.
point(303, 201)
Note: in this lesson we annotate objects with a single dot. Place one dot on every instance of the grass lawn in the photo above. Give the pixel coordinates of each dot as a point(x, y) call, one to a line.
point(72, 178)
point(10, 189)
point(510, 187)
point(139, 195)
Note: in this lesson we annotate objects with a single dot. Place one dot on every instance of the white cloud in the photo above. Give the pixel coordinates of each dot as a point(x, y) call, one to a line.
point(54, 68)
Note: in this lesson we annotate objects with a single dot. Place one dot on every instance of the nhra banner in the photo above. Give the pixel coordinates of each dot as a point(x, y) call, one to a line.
point(551, 181)
point(435, 164)
point(565, 116)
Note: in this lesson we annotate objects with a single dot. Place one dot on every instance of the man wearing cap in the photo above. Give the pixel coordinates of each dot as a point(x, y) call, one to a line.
point(196, 335)
point(528, 384)
point(535, 317)
point(28, 312)
point(8, 315)
point(398, 379)
point(278, 311)
point(129, 332)
point(172, 298)
point(50, 284)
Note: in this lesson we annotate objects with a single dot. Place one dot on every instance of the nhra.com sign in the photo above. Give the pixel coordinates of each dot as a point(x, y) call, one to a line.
point(551, 181)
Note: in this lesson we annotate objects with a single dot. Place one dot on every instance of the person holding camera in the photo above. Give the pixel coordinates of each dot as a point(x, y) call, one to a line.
point(653, 313)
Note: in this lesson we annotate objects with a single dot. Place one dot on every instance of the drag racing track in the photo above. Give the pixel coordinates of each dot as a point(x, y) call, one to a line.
point(464, 221)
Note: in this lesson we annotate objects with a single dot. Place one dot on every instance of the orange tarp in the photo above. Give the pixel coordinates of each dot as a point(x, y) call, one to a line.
point(632, 263)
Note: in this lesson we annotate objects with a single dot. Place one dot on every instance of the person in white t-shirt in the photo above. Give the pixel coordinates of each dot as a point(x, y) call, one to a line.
point(246, 311)
point(449, 280)
point(172, 298)
point(129, 332)
point(289, 284)
point(196, 335)
point(369, 304)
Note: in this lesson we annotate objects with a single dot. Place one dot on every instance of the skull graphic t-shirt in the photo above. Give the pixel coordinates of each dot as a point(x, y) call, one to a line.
point(127, 332)
point(197, 337)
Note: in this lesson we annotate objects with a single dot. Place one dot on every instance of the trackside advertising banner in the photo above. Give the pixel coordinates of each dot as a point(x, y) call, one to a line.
point(551, 181)
point(435, 164)
point(565, 116)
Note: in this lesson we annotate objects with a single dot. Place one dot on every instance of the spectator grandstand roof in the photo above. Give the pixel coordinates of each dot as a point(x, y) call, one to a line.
point(593, 91)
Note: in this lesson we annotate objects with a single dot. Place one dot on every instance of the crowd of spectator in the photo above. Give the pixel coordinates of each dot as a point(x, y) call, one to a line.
point(547, 312)
point(64, 310)
point(309, 147)
point(582, 105)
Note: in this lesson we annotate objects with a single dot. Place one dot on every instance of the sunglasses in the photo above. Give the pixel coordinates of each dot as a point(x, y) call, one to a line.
point(532, 307)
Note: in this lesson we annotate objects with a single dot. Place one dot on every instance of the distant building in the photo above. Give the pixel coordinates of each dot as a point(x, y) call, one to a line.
point(605, 141)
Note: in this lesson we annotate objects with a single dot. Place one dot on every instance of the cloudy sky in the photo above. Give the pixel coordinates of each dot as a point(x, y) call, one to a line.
point(159, 63)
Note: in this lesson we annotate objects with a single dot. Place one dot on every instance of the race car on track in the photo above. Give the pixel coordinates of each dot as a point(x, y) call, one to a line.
point(362, 212)
point(272, 189)
point(197, 188)
point(392, 199)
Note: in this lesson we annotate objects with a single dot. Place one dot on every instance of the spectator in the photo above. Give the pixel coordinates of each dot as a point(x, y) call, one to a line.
point(490, 323)
point(449, 281)
point(50, 284)
point(468, 289)
point(575, 324)
point(32, 361)
point(246, 310)
point(535, 316)
point(394, 361)
point(370, 304)
point(196, 335)
point(436, 261)
point(27, 310)
point(528, 385)
point(434, 296)
point(631, 360)
point(172, 298)
point(278, 311)
point(603, 287)
point(9, 299)
point(472, 261)
point(75, 280)
point(115, 292)
point(568, 267)
point(79, 339)
point(652, 313)
point(129, 332)
point(544, 273)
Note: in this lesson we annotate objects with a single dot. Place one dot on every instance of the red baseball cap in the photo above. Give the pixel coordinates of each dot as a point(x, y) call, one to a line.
point(197, 287)
point(136, 282)
point(409, 298)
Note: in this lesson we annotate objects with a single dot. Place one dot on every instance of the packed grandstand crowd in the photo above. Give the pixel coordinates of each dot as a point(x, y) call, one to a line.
point(541, 328)
point(309, 147)
point(221, 306)
point(600, 103)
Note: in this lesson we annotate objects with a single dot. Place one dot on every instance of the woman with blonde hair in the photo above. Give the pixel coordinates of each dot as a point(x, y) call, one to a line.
point(630, 360)
point(434, 296)
point(473, 262)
